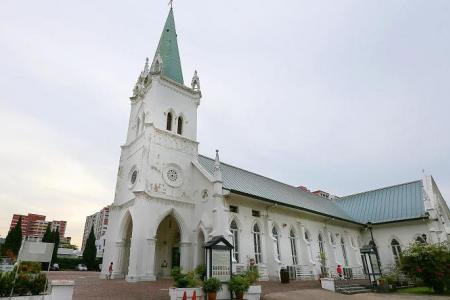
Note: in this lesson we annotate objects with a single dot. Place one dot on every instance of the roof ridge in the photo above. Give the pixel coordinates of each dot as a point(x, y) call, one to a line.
point(378, 189)
point(250, 172)
point(277, 181)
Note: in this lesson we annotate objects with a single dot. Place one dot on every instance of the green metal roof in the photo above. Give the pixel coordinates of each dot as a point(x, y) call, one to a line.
point(389, 204)
point(168, 50)
point(248, 183)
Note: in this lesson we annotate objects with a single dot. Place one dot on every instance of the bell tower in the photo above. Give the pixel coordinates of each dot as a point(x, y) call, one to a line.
point(162, 127)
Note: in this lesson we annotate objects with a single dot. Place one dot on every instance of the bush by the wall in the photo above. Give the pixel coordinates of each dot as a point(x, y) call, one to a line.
point(430, 263)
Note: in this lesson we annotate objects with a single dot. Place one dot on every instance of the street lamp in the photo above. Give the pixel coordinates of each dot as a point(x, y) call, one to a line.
point(374, 246)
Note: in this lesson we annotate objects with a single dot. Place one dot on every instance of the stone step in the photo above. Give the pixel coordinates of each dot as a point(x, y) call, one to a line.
point(355, 291)
point(349, 287)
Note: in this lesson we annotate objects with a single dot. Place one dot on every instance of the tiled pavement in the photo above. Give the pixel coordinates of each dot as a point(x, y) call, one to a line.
point(89, 286)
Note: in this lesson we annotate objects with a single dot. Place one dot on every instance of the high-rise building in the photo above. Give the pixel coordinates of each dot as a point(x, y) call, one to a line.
point(34, 226)
point(99, 221)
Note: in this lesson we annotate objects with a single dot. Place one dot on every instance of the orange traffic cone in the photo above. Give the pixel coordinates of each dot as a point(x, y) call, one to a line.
point(194, 295)
point(184, 296)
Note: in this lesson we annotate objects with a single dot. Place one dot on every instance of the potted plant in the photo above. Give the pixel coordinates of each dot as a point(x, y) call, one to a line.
point(239, 285)
point(254, 291)
point(211, 286)
point(185, 283)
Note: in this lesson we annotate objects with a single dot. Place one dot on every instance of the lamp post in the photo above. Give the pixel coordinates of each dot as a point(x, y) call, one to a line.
point(374, 246)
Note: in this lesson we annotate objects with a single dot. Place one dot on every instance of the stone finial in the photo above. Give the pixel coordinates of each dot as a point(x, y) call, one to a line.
point(195, 83)
point(157, 64)
point(146, 69)
point(217, 170)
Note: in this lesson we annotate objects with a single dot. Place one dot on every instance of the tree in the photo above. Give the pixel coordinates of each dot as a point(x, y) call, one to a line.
point(430, 263)
point(55, 240)
point(13, 241)
point(48, 237)
point(90, 251)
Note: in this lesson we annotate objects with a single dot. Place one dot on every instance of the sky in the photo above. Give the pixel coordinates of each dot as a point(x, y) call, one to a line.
point(343, 96)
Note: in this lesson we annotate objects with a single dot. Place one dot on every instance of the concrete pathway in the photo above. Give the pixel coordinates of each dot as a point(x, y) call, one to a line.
point(319, 294)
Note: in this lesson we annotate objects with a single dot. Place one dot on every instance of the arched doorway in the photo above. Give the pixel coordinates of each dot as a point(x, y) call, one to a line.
point(167, 255)
point(124, 251)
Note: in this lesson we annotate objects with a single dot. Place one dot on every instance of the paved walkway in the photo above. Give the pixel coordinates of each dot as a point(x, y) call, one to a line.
point(89, 286)
point(319, 294)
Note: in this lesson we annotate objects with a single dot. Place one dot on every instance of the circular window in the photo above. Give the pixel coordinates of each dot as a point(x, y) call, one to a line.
point(172, 175)
point(133, 177)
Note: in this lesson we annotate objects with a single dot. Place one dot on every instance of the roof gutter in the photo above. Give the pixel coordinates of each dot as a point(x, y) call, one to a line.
point(399, 221)
point(295, 207)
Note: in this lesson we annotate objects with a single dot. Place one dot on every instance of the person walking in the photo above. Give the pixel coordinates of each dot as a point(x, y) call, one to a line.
point(340, 271)
point(110, 270)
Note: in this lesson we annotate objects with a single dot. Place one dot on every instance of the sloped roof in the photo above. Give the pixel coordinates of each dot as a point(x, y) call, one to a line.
point(248, 183)
point(398, 202)
point(389, 204)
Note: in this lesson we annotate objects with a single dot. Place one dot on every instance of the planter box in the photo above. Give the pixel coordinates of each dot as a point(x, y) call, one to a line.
point(177, 293)
point(60, 290)
point(328, 284)
point(253, 293)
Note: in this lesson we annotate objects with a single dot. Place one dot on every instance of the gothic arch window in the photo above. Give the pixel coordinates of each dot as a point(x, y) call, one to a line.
point(293, 247)
point(235, 239)
point(333, 242)
point(344, 251)
point(422, 239)
point(276, 238)
point(257, 243)
point(138, 125)
point(169, 121)
point(307, 235)
point(320, 240)
point(180, 125)
point(396, 251)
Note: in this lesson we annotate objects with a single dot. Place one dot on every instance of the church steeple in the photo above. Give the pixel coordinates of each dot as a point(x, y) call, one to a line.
point(167, 57)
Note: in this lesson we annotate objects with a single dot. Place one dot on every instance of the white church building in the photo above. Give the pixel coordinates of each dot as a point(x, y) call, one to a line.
point(170, 200)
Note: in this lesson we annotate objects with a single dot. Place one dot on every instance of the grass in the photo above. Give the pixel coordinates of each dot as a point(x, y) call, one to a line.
point(419, 290)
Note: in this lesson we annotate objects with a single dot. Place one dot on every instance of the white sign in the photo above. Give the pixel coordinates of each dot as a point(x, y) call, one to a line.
point(221, 265)
point(36, 251)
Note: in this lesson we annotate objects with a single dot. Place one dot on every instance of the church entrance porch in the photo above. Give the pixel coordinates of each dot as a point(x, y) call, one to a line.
point(123, 247)
point(167, 254)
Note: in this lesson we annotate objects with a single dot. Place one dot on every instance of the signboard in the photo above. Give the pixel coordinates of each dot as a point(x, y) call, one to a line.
point(36, 251)
point(221, 264)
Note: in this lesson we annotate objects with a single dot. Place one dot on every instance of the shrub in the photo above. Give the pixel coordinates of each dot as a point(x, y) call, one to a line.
point(30, 267)
point(430, 263)
point(6, 283)
point(239, 284)
point(183, 280)
point(67, 263)
point(212, 285)
point(201, 271)
point(252, 274)
point(26, 283)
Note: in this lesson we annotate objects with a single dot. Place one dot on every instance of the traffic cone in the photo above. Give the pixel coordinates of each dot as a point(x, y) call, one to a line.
point(184, 296)
point(194, 295)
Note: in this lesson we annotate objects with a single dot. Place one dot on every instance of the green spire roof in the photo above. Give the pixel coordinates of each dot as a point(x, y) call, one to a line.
point(168, 51)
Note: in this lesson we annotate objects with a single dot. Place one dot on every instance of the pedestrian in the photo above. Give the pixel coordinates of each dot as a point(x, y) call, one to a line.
point(340, 271)
point(110, 270)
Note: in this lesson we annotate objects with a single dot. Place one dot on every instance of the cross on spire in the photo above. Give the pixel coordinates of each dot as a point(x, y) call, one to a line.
point(170, 3)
